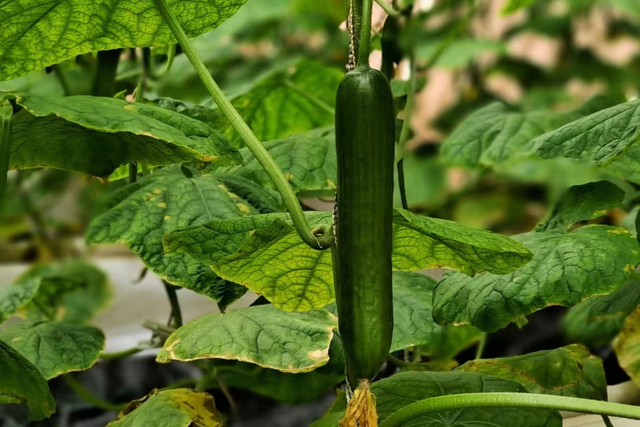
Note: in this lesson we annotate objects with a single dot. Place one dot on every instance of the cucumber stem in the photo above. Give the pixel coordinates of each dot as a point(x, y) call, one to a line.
point(512, 400)
point(388, 8)
point(317, 239)
point(364, 41)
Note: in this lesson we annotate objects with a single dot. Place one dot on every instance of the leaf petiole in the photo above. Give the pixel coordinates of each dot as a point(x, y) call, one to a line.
point(317, 239)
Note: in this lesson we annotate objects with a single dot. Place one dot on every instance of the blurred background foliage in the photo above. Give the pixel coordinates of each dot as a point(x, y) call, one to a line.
point(554, 55)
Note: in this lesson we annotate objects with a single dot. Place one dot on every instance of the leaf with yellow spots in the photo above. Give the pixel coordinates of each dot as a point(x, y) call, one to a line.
point(140, 214)
point(95, 136)
point(569, 265)
point(171, 408)
point(262, 335)
point(565, 371)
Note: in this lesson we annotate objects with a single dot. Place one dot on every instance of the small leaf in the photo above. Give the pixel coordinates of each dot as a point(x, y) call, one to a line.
point(596, 321)
point(582, 203)
point(308, 161)
point(73, 291)
point(22, 381)
point(263, 335)
point(405, 388)
point(567, 268)
point(289, 100)
point(413, 322)
point(600, 137)
point(566, 371)
point(266, 254)
point(497, 132)
point(627, 346)
point(171, 408)
point(13, 297)
point(140, 214)
point(95, 135)
point(37, 34)
point(283, 386)
point(55, 348)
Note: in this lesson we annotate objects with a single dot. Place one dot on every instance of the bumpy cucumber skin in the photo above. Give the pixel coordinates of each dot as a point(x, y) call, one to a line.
point(365, 145)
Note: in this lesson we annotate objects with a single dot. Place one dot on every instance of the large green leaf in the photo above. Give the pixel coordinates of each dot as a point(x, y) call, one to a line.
point(266, 254)
point(263, 335)
point(140, 214)
point(596, 321)
point(308, 161)
point(406, 388)
point(21, 381)
point(413, 322)
point(96, 135)
point(40, 33)
point(13, 297)
point(569, 265)
point(73, 291)
point(565, 371)
point(291, 99)
point(627, 346)
point(171, 408)
point(497, 132)
point(600, 137)
point(55, 348)
point(283, 386)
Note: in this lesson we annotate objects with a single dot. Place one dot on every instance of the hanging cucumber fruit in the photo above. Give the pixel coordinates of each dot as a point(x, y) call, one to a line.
point(365, 144)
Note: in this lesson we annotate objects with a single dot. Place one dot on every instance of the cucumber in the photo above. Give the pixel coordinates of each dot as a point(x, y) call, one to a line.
point(365, 144)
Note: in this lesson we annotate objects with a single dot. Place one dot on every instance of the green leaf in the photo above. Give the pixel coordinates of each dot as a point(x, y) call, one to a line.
point(263, 335)
point(459, 53)
point(596, 321)
point(95, 135)
point(497, 132)
point(568, 267)
point(291, 99)
point(37, 34)
point(600, 137)
point(413, 322)
point(582, 203)
point(282, 386)
point(308, 161)
point(73, 291)
point(515, 5)
point(55, 348)
point(22, 381)
point(266, 254)
point(171, 408)
point(627, 346)
point(406, 388)
point(13, 297)
point(140, 214)
point(263, 199)
point(565, 371)
point(336, 412)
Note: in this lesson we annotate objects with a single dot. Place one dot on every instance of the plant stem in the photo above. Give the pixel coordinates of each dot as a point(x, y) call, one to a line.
point(387, 8)
point(607, 421)
point(317, 239)
point(511, 400)
point(404, 134)
point(176, 312)
point(133, 172)
point(62, 78)
point(401, 185)
point(105, 80)
point(364, 39)
point(88, 397)
point(120, 354)
point(6, 112)
point(481, 345)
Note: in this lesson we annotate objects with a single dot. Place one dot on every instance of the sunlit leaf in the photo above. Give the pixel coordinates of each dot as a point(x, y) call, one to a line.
point(40, 33)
